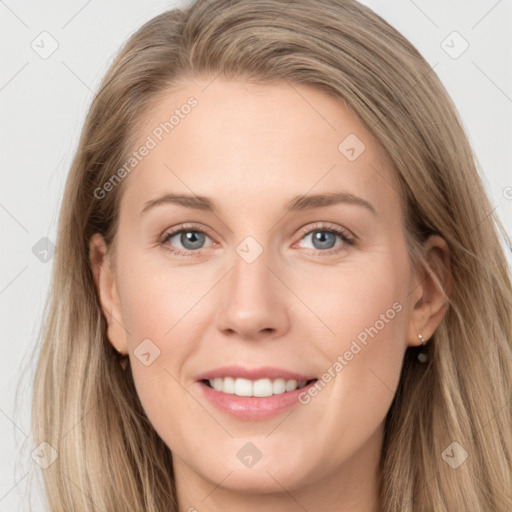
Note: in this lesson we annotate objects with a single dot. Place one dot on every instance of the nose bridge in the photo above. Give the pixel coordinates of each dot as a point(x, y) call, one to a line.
point(253, 300)
point(250, 269)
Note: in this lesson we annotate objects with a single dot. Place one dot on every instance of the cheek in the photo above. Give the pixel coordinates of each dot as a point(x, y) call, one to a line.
point(366, 312)
point(359, 379)
point(158, 299)
point(363, 301)
point(163, 312)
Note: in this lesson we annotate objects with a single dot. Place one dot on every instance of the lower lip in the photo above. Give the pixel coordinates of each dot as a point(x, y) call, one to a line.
point(250, 407)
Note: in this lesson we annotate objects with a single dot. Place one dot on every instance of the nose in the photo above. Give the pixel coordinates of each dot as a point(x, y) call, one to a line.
point(254, 303)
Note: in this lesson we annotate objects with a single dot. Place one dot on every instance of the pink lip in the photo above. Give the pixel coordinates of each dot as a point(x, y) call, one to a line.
point(266, 372)
point(252, 408)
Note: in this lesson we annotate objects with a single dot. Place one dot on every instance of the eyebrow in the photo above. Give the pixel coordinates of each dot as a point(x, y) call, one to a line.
point(298, 203)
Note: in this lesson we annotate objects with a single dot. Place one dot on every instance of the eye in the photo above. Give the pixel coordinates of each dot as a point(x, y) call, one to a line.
point(324, 237)
point(190, 237)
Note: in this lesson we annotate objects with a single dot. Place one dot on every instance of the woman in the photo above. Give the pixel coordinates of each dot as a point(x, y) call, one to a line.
point(347, 346)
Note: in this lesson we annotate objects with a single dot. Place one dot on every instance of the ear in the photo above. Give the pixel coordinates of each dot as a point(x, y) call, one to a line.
point(107, 291)
point(432, 285)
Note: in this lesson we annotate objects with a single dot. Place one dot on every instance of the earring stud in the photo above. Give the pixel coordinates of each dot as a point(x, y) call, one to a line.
point(420, 337)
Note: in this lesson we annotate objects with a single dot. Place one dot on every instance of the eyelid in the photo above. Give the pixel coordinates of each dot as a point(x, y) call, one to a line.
point(172, 232)
point(349, 240)
point(327, 226)
point(183, 227)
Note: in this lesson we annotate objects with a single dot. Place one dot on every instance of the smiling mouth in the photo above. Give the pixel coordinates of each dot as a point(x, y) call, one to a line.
point(255, 388)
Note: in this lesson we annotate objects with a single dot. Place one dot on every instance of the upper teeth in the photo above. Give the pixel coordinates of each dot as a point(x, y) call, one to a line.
point(261, 387)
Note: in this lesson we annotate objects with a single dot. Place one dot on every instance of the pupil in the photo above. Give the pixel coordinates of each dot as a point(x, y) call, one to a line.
point(320, 237)
point(193, 238)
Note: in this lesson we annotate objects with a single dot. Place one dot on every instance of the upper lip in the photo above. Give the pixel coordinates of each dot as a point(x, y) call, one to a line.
point(264, 372)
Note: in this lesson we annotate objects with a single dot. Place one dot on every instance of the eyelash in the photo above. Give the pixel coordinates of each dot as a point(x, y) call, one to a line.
point(347, 239)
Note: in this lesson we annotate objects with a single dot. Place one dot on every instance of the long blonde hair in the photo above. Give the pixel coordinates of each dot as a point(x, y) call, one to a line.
point(86, 406)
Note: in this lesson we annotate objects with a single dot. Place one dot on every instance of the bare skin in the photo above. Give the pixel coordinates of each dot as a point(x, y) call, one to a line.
point(298, 306)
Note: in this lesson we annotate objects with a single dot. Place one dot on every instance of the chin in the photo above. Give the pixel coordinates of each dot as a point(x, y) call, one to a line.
point(264, 477)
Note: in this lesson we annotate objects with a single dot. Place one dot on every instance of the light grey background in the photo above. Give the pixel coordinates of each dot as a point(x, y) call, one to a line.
point(43, 103)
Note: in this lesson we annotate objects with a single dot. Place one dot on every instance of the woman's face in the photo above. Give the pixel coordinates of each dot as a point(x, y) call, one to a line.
point(261, 247)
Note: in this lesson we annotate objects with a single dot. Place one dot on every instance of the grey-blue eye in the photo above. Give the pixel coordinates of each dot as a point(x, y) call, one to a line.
point(324, 239)
point(191, 240)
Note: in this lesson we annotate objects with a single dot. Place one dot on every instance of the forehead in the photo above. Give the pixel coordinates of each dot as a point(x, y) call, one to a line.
point(242, 143)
